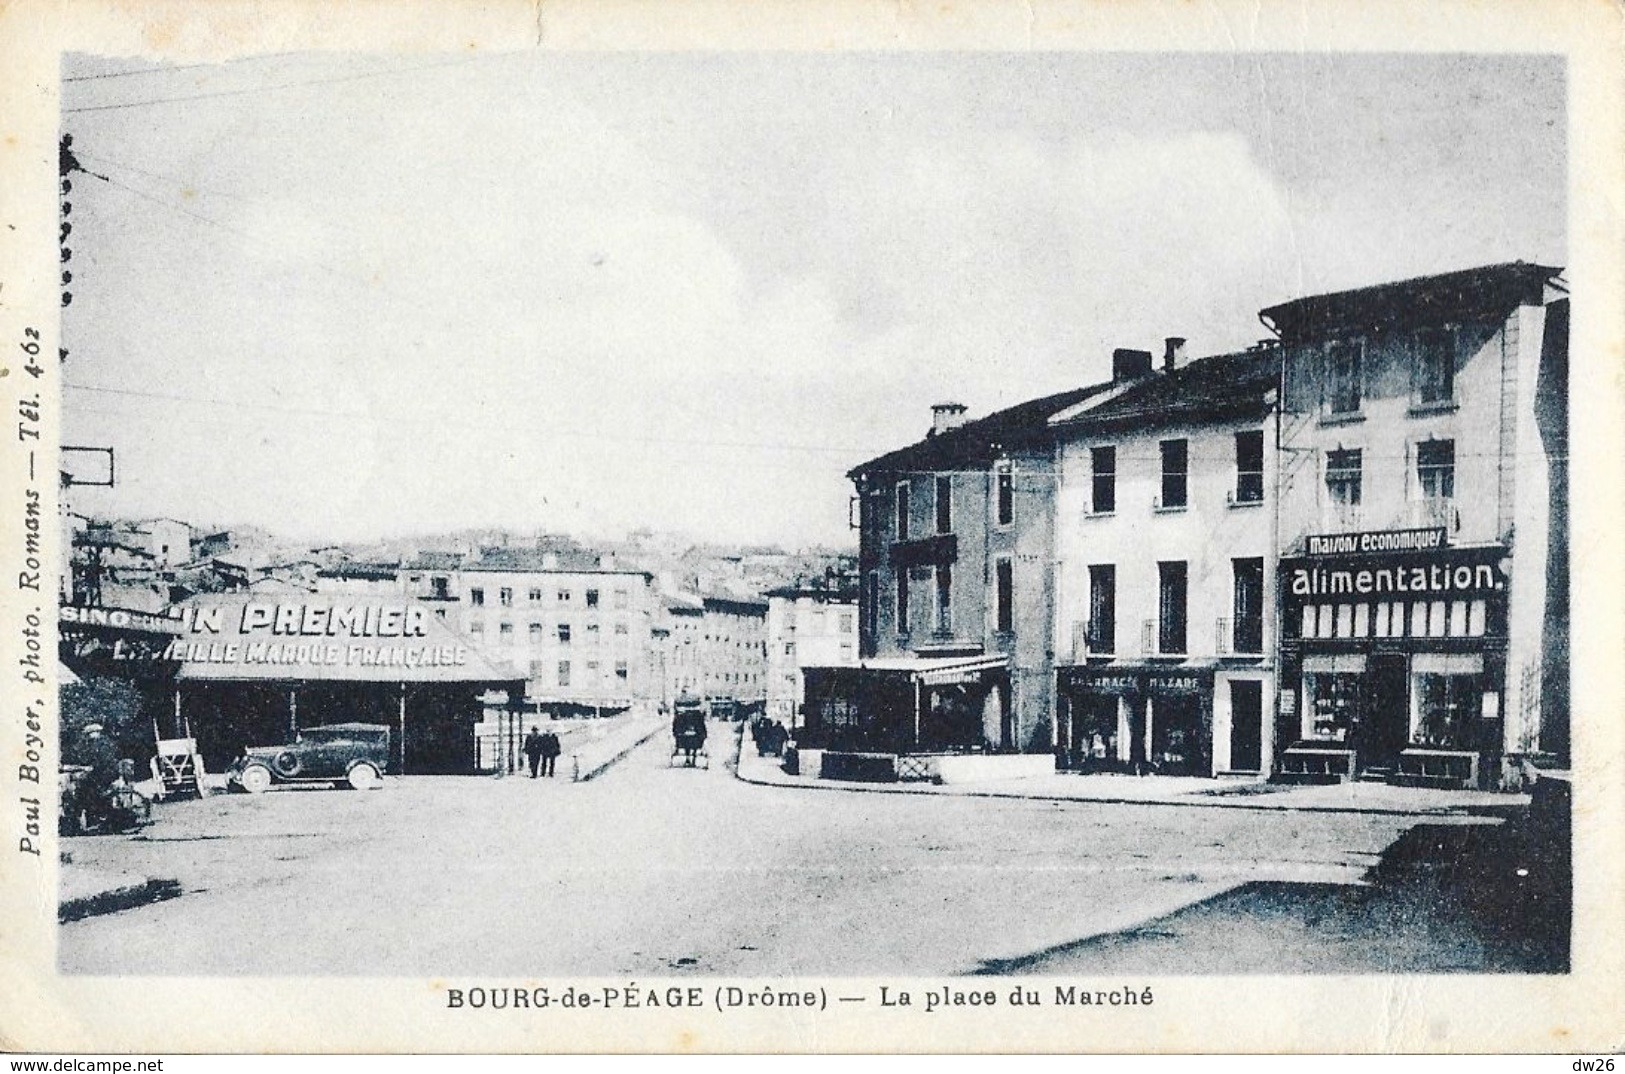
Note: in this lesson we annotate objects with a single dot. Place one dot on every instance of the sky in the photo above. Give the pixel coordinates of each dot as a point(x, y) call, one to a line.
point(347, 297)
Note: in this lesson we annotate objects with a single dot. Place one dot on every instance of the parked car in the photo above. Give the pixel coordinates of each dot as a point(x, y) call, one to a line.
point(345, 754)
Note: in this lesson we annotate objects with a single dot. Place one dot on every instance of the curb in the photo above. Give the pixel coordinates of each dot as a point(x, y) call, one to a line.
point(115, 899)
point(863, 788)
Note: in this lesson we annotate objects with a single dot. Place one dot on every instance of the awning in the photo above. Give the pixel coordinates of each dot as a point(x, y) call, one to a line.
point(326, 637)
point(929, 671)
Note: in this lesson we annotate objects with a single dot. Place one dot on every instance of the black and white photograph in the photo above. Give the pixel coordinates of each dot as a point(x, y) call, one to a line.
point(1012, 518)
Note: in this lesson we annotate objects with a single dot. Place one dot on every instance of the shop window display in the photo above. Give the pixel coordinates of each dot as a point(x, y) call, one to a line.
point(1334, 704)
point(1445, 707)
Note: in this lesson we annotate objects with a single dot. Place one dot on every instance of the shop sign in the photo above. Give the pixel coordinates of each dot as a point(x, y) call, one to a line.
point(1156, 680)
point(1457, 574)
point(1375, 542)
point(78, 615)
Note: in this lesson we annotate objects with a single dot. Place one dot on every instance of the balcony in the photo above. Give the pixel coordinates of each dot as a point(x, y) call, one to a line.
point(925, 551)
point(1243, 637)
point(1162, 639)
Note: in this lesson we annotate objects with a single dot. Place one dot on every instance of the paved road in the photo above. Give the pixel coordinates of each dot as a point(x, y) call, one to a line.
point(650, 870)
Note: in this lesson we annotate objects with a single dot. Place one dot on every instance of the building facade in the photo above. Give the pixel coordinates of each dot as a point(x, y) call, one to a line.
point(1164, 580)
point(1424, 539)
point(808, 625)
point(732, 653)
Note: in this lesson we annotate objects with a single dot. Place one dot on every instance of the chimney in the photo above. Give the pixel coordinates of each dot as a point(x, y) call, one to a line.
point(1173, 352)
point(946, 416)
point(1128, 364)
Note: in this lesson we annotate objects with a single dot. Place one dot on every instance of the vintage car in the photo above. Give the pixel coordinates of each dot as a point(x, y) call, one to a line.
point(344, 754)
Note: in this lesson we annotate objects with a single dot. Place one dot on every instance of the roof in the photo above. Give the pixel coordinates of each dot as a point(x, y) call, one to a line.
point(977, 444)
point(1227, 387)
point(376, 571)
point(925, 667)
point(734, 605)
point(831, 594)
point(534, 561)
point(1420, 300)
point(435, 561)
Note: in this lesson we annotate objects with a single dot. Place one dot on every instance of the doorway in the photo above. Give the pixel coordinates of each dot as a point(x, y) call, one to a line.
point(1246, 725)
point(1384, 725)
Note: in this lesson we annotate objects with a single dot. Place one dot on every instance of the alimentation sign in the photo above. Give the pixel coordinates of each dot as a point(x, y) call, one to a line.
point(1450, 573)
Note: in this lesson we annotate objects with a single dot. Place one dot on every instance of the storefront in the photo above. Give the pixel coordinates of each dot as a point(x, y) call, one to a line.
point(1396, 661)
point(901, 705)
point(253, 670)
point(1140, 718)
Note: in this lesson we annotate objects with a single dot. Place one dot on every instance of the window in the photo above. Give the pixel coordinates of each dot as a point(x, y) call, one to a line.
point(592, 633)
point(564, 633)
point(620, 598)
point(592, 598)
point(1004, 586)
point(564, 596)
point(620, 628)
point(1248, 629)
point(1250, 467)
point(1333, 704)
point(902, 601)
point(440, 613)
point(536, 632)
point(945, 504)
point(1343, 377)
point(440, 587)
point(1343, 468)
point(902, 510)
point(1436, 469)
point(505, 630)
point(476, 627)
point(848, 622)
point(945, 588)
point(1446, 706)
point(621, 671)
point(1007, 495)
point(1435, 367)
point(1103, 479)
point(1171, 607)
point(1175, 461)
point(1102, 628)
point(564, 673)
point(871, 608)
point(534, 596)
point(505, 597)
point(476, 597)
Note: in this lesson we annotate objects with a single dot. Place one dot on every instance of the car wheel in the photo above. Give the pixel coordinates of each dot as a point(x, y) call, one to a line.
point(286, 764)
point(364, 777)
point(255, 778)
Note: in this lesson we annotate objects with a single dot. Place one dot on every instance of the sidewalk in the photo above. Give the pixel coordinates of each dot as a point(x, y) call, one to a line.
point(1167, 790)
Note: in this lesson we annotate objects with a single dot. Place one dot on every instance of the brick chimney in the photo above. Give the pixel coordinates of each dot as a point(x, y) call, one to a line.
point(946, 416)
point(1128, 364)
point(1173, 352)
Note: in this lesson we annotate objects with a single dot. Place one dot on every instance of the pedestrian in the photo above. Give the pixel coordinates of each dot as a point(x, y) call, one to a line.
point(550, 752)
point(535, 746)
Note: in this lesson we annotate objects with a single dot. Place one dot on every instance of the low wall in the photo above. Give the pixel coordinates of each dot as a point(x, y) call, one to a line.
point(974, 767)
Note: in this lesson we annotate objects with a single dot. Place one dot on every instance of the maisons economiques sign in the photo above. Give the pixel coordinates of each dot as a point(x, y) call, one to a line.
point(1375, 542)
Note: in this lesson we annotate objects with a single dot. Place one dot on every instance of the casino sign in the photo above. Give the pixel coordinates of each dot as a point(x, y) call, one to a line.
point(123, 642)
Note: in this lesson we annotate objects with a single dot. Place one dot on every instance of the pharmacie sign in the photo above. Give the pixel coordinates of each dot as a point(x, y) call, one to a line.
point(1375, 542)
point(1152, 680)
point(1450, 573)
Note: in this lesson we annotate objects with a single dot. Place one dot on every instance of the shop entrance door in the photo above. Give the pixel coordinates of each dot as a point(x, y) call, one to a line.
point(1385, 724)
point(1246, 726)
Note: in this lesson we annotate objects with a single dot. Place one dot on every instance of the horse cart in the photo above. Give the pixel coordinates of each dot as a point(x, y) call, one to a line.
point(688, 735)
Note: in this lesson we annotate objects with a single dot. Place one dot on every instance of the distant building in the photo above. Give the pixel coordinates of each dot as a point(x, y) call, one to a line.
point(1424, 527)
point(733, 651)
point(811, 623)
point(168, 541)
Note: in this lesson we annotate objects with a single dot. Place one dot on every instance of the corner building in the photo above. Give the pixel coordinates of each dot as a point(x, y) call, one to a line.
point(1424, 529)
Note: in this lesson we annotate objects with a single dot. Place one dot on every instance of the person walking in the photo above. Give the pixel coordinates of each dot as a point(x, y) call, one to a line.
point(550, 752)
point(535, 746)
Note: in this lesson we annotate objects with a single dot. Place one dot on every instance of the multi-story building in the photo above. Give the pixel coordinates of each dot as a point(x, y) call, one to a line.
point(810, 624)
point(1424, 539)
point(578, 630)
point(1164, 578)
point(684, 628)
point(955, 621)
point(732, 652)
